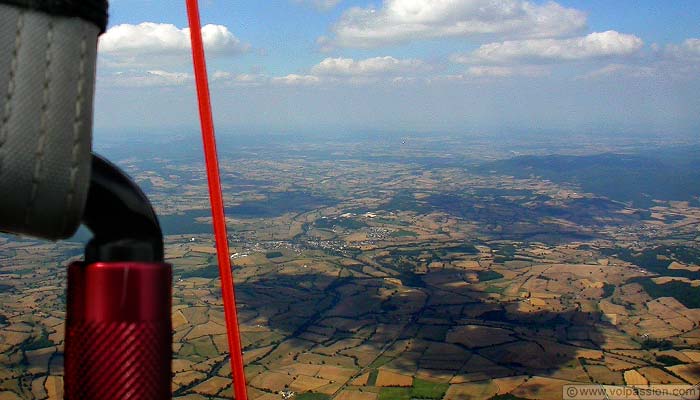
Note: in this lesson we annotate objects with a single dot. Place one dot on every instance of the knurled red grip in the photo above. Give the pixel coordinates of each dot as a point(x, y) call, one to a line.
point(118, 331)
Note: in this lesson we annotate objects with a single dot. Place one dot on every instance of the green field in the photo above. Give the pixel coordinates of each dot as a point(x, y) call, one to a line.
point(273, 254)
point(488, 275)
point(312, 396)
point(428, 390)
point(391, 393)
point(688, 295)
point(421, 390)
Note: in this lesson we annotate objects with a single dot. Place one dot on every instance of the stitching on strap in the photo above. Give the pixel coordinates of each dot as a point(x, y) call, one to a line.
point(5, 127)
point(43, 129)
point(77, 125)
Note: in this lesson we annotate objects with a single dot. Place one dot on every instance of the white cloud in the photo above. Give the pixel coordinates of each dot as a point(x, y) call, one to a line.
point(150, 43)
point(141, 79)
point(399, 21)
point(323, 5)
point(228, 79)
point(489, 71)
point(370, 66)
point(296, 80)
point(622, 70)
point(594, 45)
point(673, 61)
point(688, 50)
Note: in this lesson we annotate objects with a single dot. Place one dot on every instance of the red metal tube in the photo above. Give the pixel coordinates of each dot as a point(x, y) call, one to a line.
point(217, 204)
point(118, 331)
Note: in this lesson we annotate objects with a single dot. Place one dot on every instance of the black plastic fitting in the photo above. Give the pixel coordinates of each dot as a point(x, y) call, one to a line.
point(121, 218)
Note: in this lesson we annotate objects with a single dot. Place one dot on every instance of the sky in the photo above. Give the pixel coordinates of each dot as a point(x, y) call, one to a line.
point(468, 67)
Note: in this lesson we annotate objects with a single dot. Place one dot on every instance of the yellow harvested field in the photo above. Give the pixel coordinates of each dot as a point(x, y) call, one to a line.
point(387, 378)
point(689, 372)
point(180, 365)
point(537, 302)
point(506, 385)
point(178, 320)
point(212, 386)
point(693, 355)
point(330, 389)
point(12, 338)
point(657, 376)
point(196, 315)
point(54, 387)
point(633, 377)
point(360, 380)
point(356, 237)
point(304, 383)
point(203, 249)
point(677, 265)
point(273, 381)
point(657, 328)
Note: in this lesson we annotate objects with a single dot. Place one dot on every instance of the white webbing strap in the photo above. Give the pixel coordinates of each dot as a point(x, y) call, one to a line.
point(47, 77)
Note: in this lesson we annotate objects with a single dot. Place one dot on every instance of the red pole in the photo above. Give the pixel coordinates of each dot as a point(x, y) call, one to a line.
point(217, 204)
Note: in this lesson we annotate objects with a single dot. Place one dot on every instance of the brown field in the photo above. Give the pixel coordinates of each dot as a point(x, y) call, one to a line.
point(196, 315)
point(601, 374)
point(387, 378)
point(478, 368)
point(304, 383)
point(364, 354)
point(621, 363)
point(339, 346)
point(540, 388)
point(336, 374)
point(506, 385)
point(188, 377)
point(657, 328)
point(355, 395)
point(318, 359)
point(478, 336)
point(203, 249)
point(9, 338)
point(210, 328)
point(469, 391)
point(301, 369)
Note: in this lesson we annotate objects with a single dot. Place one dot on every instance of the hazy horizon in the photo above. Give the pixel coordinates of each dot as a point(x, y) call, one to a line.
point(452, 67)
